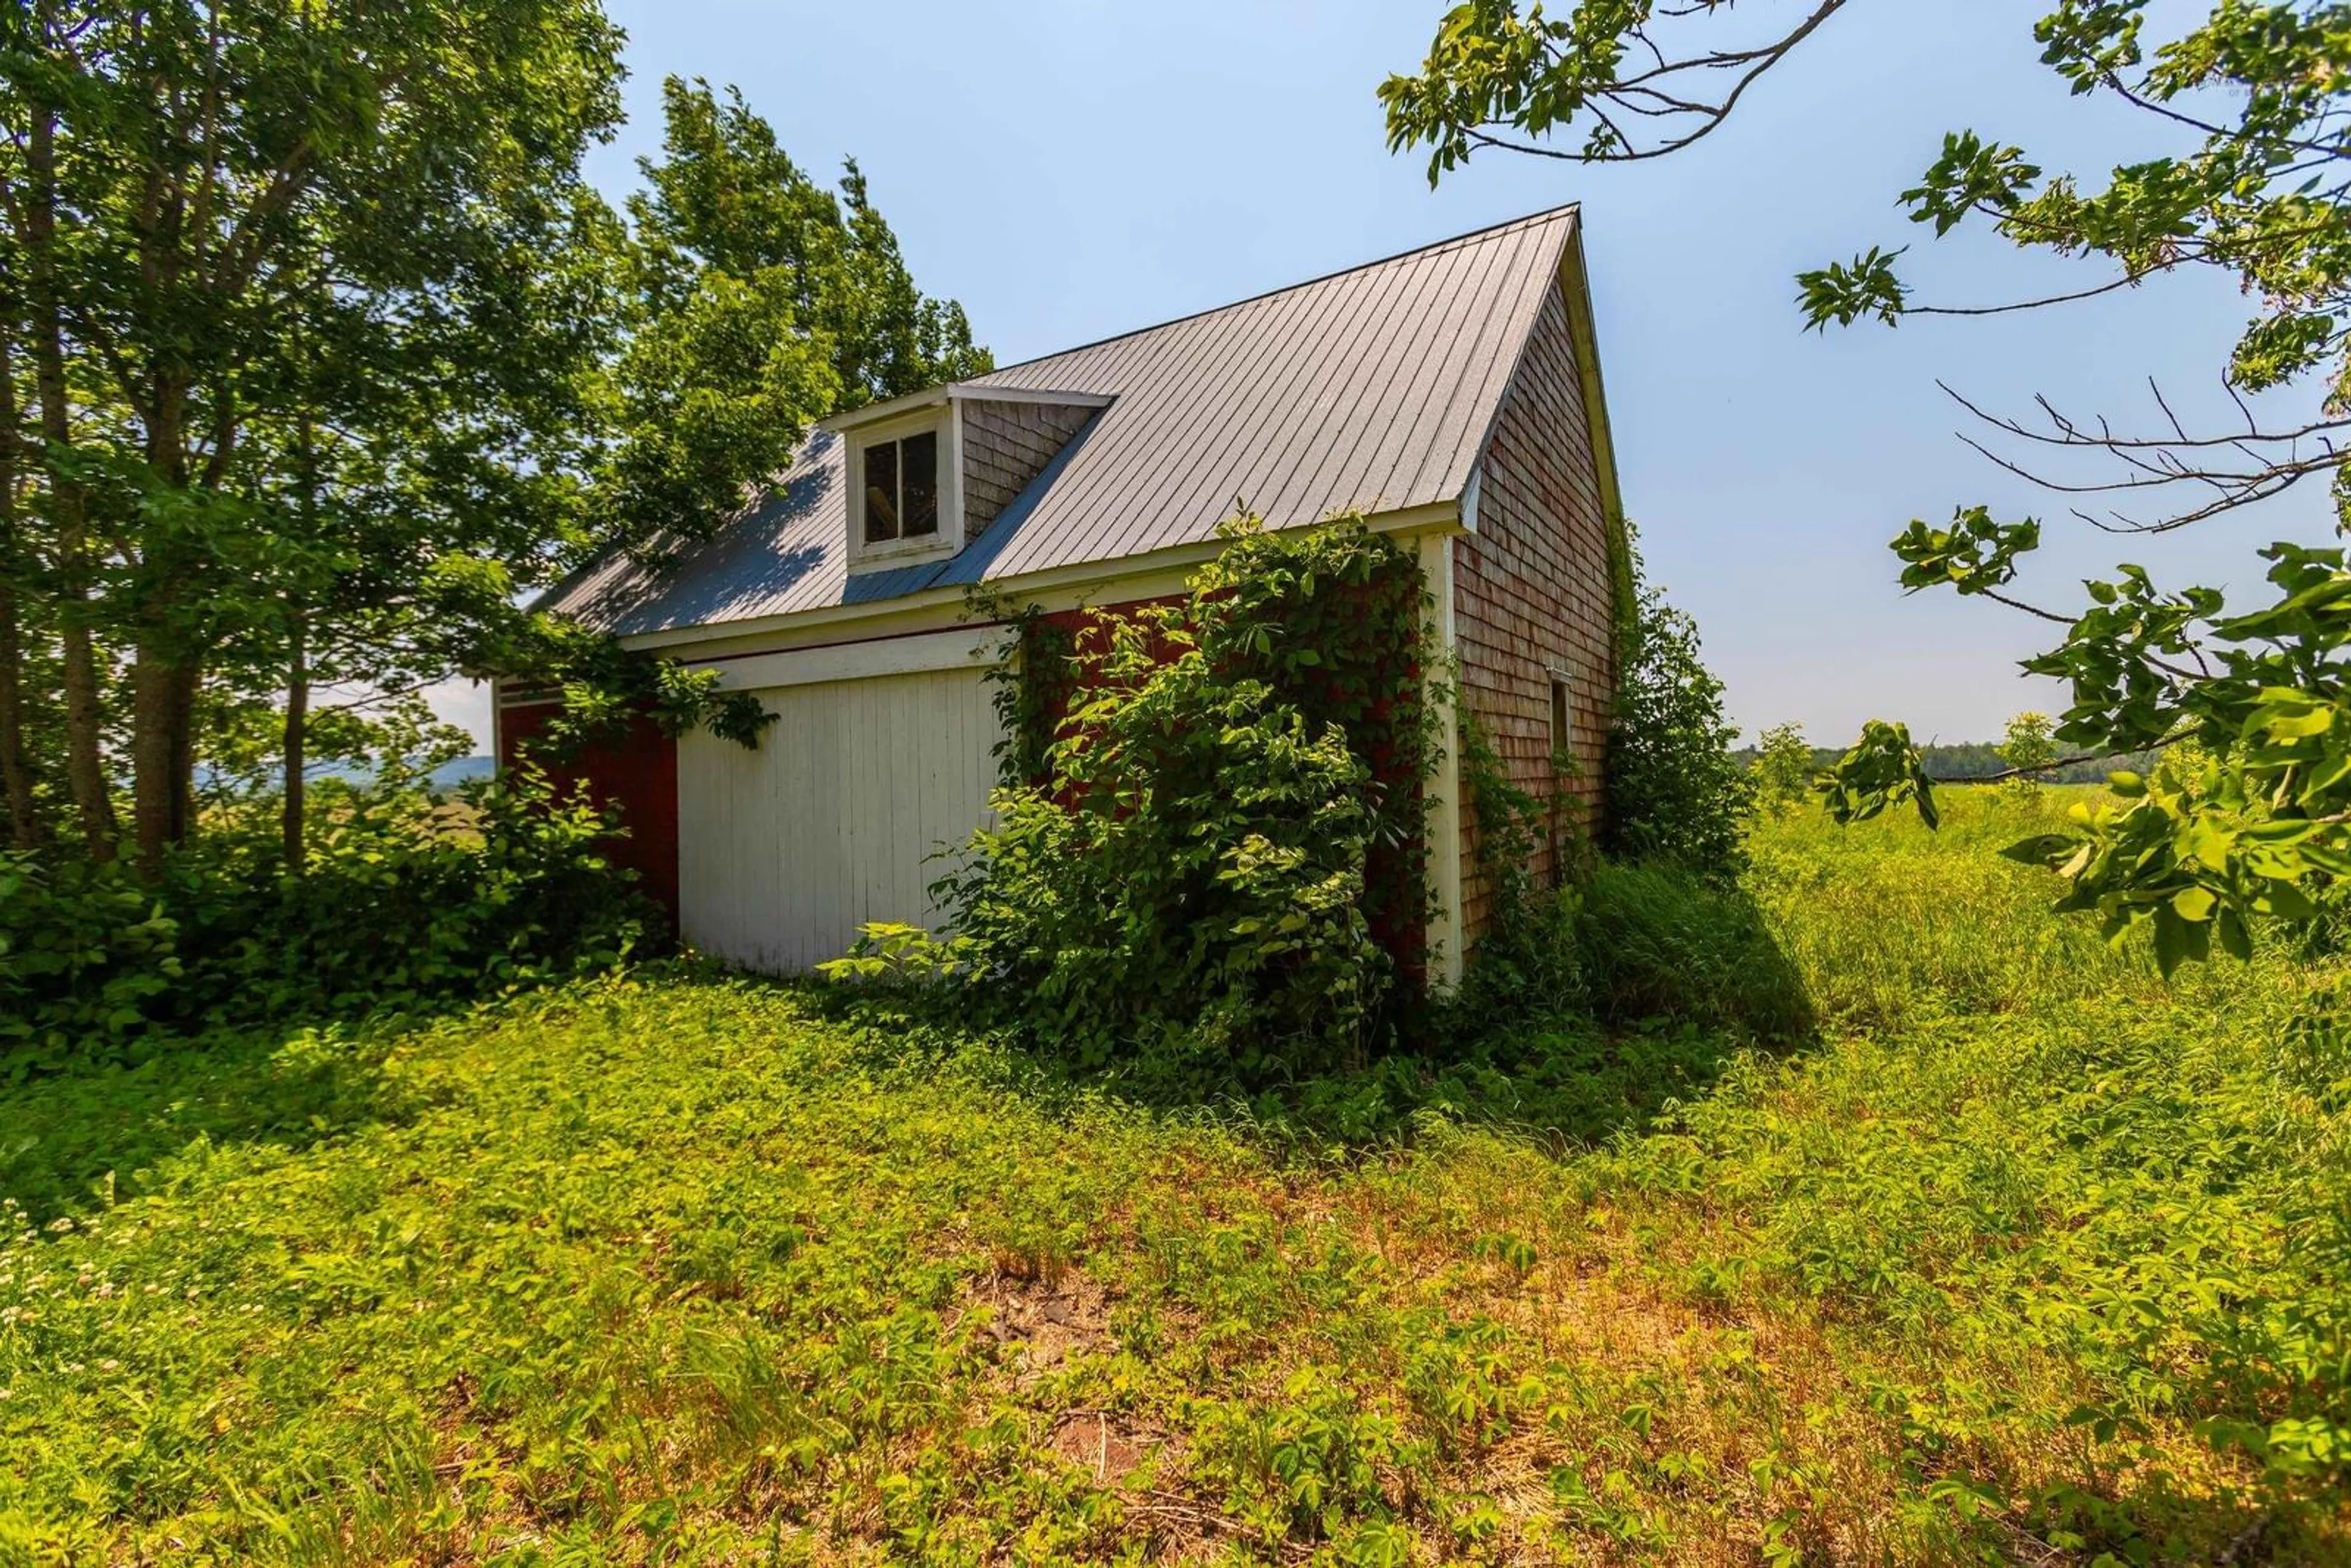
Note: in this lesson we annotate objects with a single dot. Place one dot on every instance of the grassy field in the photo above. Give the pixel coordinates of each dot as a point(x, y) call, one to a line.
point(2025, 1258)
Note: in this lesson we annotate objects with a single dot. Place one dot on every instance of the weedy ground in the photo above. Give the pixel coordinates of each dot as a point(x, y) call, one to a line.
point(684, 1268)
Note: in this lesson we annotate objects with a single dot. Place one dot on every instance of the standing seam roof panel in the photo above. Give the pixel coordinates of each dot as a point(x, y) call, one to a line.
point(1373, 407)
point(1187, 438)
point(1272, 382)
point(1344, 384)
point(1402, 452)
point(1086, 497)
point(1476, 413)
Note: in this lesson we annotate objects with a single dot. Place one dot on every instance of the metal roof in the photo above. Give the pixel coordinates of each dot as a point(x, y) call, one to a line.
point(1368, 390)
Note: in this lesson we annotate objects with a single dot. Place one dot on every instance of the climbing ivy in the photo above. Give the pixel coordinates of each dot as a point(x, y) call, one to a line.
point(1208, 853)
point(1525, 961)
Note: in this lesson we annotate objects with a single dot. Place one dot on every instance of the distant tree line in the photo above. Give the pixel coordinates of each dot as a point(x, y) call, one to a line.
point(1964, 761)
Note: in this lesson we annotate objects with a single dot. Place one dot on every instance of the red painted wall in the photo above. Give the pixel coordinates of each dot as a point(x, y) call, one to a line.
point(635, 772)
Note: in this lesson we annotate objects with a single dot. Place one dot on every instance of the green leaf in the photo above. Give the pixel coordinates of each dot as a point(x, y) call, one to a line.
point(2236, 940)
point(2172, 941)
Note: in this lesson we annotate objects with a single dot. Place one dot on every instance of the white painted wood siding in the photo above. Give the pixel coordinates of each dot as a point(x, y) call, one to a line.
point(783, 852)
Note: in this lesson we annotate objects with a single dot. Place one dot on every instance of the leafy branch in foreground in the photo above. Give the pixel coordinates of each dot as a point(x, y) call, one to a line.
point(2250, 824)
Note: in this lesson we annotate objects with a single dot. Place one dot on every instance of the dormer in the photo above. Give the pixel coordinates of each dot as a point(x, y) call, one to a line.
point(926, 474)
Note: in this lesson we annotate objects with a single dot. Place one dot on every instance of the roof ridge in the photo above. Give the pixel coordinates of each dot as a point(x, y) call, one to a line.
point(1432, 248)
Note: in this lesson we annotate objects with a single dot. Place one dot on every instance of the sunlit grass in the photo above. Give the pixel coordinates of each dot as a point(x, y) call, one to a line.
point(685, 1269)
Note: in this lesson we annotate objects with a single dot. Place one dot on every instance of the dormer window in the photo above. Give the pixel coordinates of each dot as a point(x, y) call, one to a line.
point(905, 501)
point(928, 473)
point(901, 488)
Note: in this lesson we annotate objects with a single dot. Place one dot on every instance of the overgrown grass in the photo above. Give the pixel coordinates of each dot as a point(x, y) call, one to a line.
point(2024, 1258)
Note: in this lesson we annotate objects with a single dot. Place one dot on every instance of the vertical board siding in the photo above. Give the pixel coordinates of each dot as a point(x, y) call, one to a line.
point(1532, 593)
point(836, 820)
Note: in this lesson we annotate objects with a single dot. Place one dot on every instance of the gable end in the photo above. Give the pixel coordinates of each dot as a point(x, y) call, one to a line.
point(1535, 600)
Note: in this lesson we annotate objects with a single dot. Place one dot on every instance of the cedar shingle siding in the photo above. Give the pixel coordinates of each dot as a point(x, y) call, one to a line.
point(1533, 593)
point(1004, 446)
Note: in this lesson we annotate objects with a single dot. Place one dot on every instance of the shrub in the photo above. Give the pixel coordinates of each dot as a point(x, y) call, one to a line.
point(406, 900)
point(1783, 769)
point(407, 903)
point(1676, 793)
point(1205, 862)
point(1200, 893)
point(86, 954)
point(2027, 745)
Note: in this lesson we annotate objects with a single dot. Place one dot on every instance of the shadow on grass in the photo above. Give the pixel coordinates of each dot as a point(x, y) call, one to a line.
point(1639, 988)
point(73, 1140)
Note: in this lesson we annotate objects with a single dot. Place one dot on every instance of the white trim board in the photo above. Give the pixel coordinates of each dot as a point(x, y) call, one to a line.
point(1441, 791)
point(962, 648)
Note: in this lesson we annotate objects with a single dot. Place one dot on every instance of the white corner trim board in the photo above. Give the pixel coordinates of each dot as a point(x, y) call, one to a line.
point(959, 648)
point(1441, 791)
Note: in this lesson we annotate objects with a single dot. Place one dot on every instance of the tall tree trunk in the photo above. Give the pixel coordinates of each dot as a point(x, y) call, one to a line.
point(297, 655)
point(297, 719)
point(187, 684)
point(151, 759)
point(26, 829)
point(163, 681)
point(85, 765)
point(162, 751)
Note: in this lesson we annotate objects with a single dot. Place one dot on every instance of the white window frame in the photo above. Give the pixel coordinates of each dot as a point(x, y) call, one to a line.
point(946, 422)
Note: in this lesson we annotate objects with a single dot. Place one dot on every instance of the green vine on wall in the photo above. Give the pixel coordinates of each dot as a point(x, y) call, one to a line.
point(1209, 851)
point(1524, 960)
point(604, 685)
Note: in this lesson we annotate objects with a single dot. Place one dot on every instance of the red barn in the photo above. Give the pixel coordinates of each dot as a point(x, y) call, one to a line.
point(1451, 395)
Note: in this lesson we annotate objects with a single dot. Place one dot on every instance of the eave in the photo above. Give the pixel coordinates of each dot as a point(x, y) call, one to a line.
point(1147, 575)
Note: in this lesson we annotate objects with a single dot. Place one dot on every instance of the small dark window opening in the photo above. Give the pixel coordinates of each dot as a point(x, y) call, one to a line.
point(901, 488)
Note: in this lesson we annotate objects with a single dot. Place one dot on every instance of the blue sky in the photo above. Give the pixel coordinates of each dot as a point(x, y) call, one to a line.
point(1074, 168)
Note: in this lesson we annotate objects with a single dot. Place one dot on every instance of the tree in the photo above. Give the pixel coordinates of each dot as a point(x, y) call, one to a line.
point(758, 302)
point(317, 353)
point(2029, 752)
point(1783, 769)
point(205, 201)
point(1675, 791)
point(2259, 826)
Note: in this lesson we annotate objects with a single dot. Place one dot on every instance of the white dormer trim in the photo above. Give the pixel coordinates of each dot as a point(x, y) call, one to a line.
point(939, 408)
point(943, 417)
point(956, 392)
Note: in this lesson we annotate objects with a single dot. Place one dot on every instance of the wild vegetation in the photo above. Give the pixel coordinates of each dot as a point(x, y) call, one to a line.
point(1779, 1190)
point(1204, 861)
point(1998, 1247)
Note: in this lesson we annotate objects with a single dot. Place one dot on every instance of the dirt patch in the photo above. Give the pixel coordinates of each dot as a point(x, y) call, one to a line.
point(1104, 1442)
point(1039, 1322)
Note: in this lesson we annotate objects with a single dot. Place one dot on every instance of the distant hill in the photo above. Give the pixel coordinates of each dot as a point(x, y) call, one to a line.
point(448, 776)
